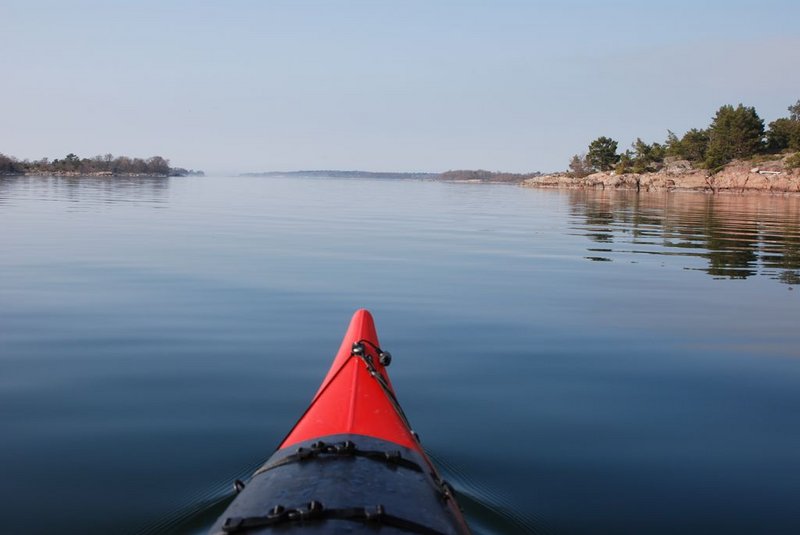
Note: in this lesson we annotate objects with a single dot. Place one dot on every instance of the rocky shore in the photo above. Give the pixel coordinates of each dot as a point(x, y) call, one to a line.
point(763, 176)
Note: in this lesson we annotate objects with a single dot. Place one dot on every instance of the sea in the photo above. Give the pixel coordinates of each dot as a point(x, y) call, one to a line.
point(575, 362)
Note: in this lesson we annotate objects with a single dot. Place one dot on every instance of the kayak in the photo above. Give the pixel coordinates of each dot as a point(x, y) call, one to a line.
point(351, 464)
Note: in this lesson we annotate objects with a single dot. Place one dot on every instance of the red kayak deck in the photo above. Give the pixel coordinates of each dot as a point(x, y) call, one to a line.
point(350, 400)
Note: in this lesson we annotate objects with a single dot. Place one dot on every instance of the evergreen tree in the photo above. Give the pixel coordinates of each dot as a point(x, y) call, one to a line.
point(693, 145)
point(602, 153)
point(734, 133)
point(625, 163)
point(672, 147)
point(647, 157)
point(783, 134)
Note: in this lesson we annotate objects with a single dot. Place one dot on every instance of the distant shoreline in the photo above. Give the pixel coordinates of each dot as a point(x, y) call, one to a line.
point(68, 174)
point(98, 166)
point(461, 176)
point(334, 173)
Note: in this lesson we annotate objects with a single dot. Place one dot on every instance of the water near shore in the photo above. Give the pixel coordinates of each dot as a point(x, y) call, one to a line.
point(575, 361)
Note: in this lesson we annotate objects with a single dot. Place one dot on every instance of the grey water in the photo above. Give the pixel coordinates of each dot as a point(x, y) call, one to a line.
point(574, 361)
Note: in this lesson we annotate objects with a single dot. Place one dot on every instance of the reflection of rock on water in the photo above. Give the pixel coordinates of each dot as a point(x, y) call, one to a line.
point(738, 236)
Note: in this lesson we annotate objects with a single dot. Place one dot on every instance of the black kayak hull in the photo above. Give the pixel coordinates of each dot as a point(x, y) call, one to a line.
point(356, 483)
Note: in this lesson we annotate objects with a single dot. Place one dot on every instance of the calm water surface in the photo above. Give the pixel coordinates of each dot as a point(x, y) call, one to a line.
point(575, 362)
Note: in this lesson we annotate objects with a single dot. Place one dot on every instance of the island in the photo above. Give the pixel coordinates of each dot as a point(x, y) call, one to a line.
point(735, 153)
point(101, 165)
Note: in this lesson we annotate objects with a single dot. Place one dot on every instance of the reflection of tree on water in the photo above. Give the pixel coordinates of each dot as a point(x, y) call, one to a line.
point(621, 212)
point(789, 277)
point(739, 236)
point(781, 250)
point(600, 220)
point(732, 246)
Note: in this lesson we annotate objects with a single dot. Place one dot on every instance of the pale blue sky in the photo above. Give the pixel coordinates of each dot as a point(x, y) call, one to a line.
point(408, 86)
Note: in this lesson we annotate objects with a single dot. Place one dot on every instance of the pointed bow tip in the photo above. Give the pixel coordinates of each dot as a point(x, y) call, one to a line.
point(362, 326)
point(362, 314)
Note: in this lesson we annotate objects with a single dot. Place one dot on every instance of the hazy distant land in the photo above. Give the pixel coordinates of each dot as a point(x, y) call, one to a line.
point(462, 175)
point(335, 173)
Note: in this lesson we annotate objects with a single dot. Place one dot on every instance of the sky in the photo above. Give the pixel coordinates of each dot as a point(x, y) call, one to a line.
point(415, 85)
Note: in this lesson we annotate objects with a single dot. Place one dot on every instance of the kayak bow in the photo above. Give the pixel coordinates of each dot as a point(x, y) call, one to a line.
point(351, 464)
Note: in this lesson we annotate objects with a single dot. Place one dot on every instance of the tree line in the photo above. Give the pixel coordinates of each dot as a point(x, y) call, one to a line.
point(735, 133)
point(102, 164)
